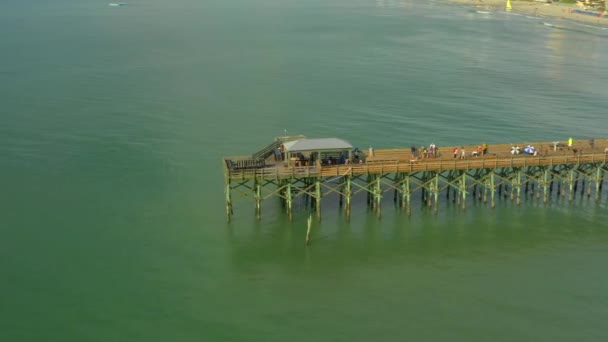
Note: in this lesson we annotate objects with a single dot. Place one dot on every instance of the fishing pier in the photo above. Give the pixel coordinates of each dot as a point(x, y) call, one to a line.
point(296, 168)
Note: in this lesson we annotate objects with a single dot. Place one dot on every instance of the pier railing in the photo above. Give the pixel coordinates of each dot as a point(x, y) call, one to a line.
point(245, 164)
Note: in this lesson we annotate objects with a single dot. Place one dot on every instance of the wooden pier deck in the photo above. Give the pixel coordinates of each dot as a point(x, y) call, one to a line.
point(400, 160)
point(498, 172)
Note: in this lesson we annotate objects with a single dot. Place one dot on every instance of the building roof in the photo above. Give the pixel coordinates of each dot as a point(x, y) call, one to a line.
point(302, 145)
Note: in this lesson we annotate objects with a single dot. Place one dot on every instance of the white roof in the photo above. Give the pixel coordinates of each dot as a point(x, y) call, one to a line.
point(302, 145)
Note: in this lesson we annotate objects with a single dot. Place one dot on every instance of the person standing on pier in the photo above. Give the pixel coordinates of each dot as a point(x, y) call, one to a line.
point(277, 154)
point(455, 152)
point(570, 142)
point(463, 154)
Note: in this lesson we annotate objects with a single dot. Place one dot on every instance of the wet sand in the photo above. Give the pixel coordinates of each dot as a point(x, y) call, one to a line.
point(561, 11)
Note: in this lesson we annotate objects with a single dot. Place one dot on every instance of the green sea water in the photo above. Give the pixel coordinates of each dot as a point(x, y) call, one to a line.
point(114, 121)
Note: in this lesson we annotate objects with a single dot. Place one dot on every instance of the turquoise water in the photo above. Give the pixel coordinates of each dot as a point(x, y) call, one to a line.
point(114, 121)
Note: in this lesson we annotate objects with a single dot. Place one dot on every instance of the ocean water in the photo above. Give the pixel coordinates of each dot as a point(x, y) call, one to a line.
point(114, 121)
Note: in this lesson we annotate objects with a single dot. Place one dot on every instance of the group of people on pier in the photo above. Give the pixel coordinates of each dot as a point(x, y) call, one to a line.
point(433, 152)
point(279, 153)
point(424, 152)
point(481, 150)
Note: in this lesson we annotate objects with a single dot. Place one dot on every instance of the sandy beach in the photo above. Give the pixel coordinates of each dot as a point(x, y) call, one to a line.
point(554, 10)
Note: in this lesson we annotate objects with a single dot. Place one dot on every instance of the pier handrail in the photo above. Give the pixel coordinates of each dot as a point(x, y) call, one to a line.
point(266, 151)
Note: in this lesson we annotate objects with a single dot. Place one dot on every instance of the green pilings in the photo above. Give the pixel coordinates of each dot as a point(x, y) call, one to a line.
point(571, 185)
point(318, 197)
point(378, 195)
point(463, 189)
point(545, 186)
point(598, 181)
point(430, 184)
point(369, 190)
point(228, 201)
point(435, 191)
point(258, 199)
point(512, 191)
point(289, 199)
point(406, 194)
point(347, 196)
point(518, 185)
point(486, 187)
point(589, 187)
point(492, 189)
point(564, 183)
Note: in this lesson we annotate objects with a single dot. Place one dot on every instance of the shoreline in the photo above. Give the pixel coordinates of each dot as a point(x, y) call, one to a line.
point(539, 9)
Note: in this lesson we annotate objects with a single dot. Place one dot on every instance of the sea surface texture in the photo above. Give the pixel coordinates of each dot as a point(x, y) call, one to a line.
point(114, 120)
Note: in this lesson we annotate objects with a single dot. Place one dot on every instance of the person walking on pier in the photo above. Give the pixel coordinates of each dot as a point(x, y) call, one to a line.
point(463, 153)
point(455, 152)
point(570, 142)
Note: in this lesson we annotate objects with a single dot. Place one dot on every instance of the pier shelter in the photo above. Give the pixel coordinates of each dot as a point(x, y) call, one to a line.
point(309, 152)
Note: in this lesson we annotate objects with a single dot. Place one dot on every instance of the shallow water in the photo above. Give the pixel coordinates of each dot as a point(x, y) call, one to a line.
point(114, 121)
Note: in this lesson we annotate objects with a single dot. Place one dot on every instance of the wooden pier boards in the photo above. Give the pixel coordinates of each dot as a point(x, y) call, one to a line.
point(348, 173)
